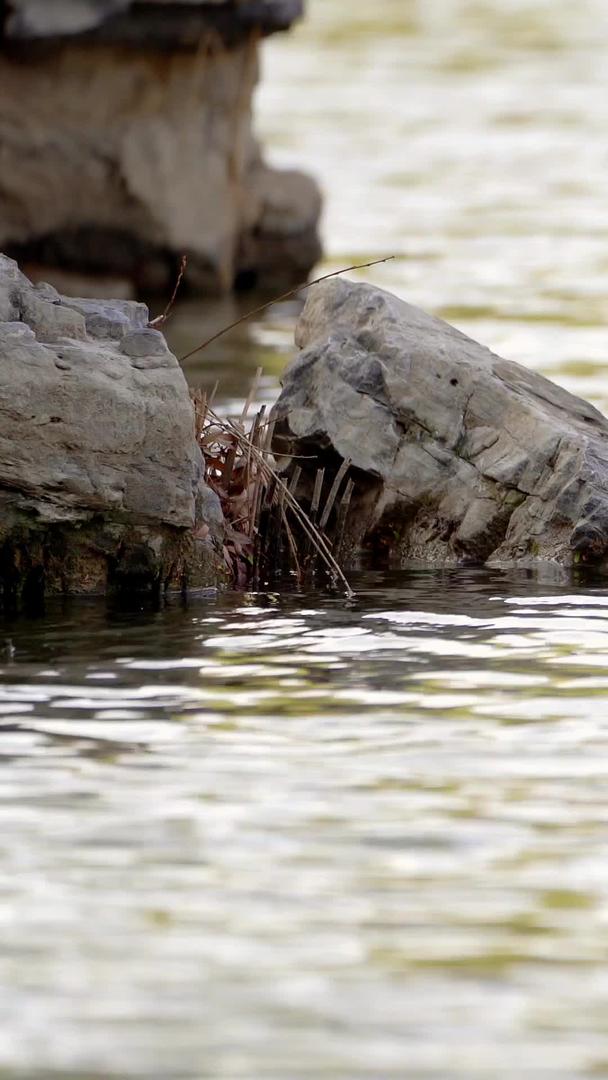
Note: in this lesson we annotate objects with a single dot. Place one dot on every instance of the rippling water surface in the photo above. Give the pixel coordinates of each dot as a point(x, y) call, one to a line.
point(273, 837)
point(292, 836)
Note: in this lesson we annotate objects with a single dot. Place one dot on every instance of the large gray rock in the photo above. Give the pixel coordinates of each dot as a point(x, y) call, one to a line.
point(117, 19)
point(39, 18)
point(127, 141)
point(456, 453)
point(100, 472)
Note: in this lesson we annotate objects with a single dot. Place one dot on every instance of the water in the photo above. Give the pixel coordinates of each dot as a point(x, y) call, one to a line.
point(293, 836)
point(273, 837)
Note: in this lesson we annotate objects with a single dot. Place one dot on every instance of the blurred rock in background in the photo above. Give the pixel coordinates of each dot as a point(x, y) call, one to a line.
point(126, 141)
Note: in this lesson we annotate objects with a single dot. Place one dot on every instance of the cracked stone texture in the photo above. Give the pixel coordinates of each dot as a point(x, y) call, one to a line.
point(127, 141)
point(457, 454)
point(100, 473)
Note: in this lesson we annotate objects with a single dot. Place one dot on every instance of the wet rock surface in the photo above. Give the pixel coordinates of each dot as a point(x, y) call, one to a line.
point(100, 474)
point(457, 455)
point(138, 146)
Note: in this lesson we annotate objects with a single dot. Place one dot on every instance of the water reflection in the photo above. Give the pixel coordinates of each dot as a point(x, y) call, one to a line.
point(350, 823)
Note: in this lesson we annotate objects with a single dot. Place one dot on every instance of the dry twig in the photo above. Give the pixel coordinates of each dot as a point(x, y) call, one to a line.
point(160, 320)
point(278, 300)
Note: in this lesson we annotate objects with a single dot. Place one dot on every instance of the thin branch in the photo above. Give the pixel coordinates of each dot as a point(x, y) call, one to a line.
point(160, 320)
point(278, 299)
point(342, 515)
point(253, 389)
point(335, 487)
point(316, 495)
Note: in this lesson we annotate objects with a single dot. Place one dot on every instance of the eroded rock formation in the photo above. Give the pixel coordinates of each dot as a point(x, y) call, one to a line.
point(457, 455)
point(100, 473)
point(127, 141)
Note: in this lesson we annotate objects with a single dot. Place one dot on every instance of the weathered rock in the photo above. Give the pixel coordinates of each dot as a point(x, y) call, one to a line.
point(167, 22)
point(100, 472)
point(127, 141)
point(457, 454)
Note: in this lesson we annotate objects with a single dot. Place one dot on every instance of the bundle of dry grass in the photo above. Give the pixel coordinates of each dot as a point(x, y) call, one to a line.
point(269, 534)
